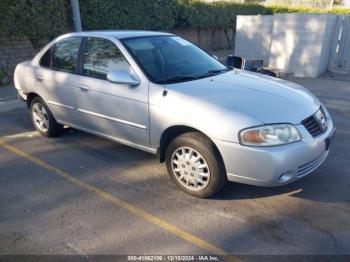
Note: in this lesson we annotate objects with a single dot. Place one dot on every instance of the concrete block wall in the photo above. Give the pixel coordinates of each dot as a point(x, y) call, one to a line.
point(14, 51)
point(207, 39)
point(300, 44)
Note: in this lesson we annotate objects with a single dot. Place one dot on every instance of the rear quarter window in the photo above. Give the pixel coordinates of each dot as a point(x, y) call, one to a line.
point(45, 60)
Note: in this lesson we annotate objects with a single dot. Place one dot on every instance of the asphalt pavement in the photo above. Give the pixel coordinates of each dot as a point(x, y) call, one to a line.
point(81, 194)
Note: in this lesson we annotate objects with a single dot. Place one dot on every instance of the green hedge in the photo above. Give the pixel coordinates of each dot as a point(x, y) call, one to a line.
point(162, 14)
point(45, 19)
point(34, 19)
point(274, 9)
point(128, 14)
point(169, 14)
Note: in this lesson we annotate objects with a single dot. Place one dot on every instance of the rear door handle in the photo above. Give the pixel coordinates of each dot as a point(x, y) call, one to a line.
point(84, 88)
point(39, 78)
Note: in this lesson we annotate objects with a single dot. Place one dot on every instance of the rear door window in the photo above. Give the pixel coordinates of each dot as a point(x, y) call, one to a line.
point(65, 54)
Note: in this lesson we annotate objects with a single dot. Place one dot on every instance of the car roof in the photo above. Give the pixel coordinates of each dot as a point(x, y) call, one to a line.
point(120, 34)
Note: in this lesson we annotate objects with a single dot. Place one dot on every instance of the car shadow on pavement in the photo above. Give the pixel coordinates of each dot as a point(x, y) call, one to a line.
point(329, 183)
point(310, 188)
point(320, 185)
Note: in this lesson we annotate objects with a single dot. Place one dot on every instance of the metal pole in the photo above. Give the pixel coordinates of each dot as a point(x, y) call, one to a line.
point(76, 15)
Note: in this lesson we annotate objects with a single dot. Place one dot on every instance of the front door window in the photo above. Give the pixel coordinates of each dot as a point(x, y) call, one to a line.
point(102, 56)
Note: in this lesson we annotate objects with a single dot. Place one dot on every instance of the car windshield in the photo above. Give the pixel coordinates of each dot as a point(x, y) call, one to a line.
point(172, 59)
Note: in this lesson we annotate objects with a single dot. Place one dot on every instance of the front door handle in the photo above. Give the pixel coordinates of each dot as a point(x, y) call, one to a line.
point(84, 88)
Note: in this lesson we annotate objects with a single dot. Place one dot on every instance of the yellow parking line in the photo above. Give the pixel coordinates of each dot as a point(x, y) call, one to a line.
point(121, 203)
point(28, 134)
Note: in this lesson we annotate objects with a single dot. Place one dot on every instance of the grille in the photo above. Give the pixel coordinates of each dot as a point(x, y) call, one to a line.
point(314, 124)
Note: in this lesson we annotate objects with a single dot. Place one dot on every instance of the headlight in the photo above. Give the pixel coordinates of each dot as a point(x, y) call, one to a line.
point(269, 135)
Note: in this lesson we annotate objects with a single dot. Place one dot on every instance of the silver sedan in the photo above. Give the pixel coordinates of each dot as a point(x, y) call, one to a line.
point(159, 93)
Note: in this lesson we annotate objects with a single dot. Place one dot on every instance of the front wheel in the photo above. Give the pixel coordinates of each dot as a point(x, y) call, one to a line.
point(194, 164)
point(43, 119)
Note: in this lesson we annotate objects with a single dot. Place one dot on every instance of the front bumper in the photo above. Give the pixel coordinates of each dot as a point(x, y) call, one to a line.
point(276, 165)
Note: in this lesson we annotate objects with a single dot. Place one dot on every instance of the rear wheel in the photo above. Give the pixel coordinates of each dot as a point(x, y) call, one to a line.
point(194, 165)
point(43, 119)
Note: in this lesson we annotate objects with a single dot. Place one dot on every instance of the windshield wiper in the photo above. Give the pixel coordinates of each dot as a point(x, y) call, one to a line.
point(180, 78)
point(213, 72)
point(176, 78)
point(216, 71)
point(220, 70)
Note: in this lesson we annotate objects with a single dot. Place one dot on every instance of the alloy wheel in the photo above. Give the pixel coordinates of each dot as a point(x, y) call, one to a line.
point(40, 117)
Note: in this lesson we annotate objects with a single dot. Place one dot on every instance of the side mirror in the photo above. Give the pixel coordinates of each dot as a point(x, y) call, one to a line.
point(122, 77)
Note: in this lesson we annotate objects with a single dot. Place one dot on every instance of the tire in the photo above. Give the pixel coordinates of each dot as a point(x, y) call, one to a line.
point(43, 120)
point(208, 167)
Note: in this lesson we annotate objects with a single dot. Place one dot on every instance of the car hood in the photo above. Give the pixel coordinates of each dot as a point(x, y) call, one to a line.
point(267, 99)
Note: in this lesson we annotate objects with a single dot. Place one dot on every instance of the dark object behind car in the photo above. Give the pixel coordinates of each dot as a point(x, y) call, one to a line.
point(248, 64)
